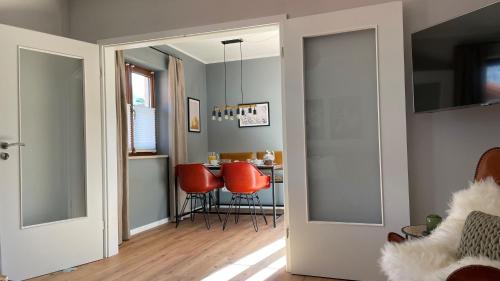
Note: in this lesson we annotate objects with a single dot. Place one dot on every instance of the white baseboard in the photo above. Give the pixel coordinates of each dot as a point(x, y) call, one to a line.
point(148, 226)
point(256, 206)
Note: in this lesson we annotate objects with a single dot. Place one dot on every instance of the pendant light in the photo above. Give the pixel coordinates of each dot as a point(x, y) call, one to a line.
point(232, 112)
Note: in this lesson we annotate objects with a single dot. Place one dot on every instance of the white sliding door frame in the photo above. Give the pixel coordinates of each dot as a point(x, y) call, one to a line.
point(107, 51)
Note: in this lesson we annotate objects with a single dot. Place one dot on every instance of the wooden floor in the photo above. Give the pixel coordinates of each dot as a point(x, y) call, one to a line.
point(192, 252)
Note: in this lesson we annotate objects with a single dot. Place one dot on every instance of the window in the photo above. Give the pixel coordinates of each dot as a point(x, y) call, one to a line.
point(142, 115)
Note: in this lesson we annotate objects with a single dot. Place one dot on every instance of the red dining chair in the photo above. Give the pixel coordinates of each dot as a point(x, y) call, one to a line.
point(198, 182)
point(244, 180)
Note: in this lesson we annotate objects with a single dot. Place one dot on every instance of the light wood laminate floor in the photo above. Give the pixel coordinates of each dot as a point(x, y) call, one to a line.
point(192, 252)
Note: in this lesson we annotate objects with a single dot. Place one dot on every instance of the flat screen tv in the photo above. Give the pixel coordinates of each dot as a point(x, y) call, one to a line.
point(457, 63)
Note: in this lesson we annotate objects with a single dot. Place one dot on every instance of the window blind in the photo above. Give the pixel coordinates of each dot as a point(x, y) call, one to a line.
point(144, 129)
point(129, 129)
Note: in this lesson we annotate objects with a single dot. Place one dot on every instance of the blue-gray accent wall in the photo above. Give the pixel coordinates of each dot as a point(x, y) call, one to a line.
point(147, 177)
point(147, 191)
point(261, 83)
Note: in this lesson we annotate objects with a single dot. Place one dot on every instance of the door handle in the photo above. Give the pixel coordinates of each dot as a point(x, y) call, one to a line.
point(6, 145)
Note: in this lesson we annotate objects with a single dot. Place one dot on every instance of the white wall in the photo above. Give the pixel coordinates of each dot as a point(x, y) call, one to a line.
point(49, 16)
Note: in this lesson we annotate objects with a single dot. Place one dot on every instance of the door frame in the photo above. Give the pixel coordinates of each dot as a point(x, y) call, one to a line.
point(107, 48)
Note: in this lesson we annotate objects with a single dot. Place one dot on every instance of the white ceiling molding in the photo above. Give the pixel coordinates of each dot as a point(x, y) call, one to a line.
point(258, 42)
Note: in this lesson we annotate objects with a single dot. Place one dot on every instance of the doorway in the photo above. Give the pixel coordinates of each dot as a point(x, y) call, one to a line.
point(248, 75)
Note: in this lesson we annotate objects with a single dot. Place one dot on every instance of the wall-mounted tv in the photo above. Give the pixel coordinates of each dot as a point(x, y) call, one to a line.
point(457, 63)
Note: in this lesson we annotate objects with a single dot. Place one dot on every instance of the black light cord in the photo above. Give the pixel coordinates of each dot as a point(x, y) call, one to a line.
point(241, 72)
point(225, 78)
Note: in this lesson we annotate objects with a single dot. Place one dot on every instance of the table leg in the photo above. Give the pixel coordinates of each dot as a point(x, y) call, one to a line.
point(218, 198)
point(209, 202)
point(274, 197)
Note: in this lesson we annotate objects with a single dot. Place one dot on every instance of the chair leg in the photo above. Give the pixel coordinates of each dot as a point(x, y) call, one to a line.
point(261, 209)
point(253, 215)
point(228, 212)
point(205, 213)
point(209, 202)
point(215, 205)
point(182, 211)
point(191, 214)
point(237, 215)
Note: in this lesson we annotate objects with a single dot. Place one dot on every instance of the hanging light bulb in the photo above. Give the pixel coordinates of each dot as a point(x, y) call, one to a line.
point(250, 110)
point(238, 113)
point(226, 116)
point(231, 115)
point(214, 115)
point(242, 112)
point(219, 118)
point(254, 111)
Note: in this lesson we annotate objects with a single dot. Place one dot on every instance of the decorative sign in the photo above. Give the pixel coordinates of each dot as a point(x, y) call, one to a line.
point(261, 118)
point(194, 115)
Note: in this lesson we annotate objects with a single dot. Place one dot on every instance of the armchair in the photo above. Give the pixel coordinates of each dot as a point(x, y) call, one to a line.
point(433, 258)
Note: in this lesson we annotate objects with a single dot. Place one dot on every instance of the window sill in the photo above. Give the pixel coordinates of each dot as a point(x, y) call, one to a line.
point(147, 157)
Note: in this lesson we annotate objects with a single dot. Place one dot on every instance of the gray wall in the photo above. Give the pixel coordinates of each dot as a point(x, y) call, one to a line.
point(261, 83)
point(50, 16)
point(147, 176)
point(97, 19)
point(196, 87)
point(443, 147)
point(148, 192)
point(147, 58)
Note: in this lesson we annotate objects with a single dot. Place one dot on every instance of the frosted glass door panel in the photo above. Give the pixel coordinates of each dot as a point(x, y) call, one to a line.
point(342, 127)
point(52, 127)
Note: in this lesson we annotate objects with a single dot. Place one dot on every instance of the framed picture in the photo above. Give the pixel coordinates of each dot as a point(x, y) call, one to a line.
point(194, 122)
point(258, 120)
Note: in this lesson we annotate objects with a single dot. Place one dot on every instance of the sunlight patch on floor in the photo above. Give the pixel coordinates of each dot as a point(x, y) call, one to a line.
point(230, 271)
point(269, 270)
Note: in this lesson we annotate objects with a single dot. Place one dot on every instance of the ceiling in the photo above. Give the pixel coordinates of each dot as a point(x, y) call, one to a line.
point(258, 42)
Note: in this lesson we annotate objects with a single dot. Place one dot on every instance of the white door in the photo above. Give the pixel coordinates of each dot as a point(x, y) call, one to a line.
point(50, 188)
point(345, 139)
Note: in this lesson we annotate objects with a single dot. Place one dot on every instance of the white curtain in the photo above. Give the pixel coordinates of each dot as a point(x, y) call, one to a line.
point(177, 123)
point(122, 117)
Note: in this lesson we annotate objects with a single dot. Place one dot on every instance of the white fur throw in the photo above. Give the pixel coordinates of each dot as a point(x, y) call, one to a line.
point(433, 258)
